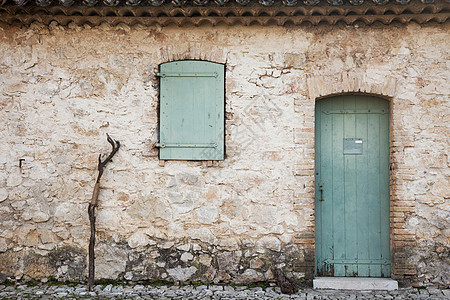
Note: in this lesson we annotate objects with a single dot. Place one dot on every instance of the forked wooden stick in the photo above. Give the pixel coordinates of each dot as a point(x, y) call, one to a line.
point(93, 204)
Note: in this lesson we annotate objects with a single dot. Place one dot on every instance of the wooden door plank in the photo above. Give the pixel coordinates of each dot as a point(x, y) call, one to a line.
point(338, 188)
point(327, 179)
point(374, 187)
point(350, 216)
point(362, 190)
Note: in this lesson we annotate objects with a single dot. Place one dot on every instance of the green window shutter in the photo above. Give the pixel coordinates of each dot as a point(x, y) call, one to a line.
point(192, 104)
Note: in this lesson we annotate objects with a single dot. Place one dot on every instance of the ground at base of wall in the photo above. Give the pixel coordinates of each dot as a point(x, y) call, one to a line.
point(110, 291)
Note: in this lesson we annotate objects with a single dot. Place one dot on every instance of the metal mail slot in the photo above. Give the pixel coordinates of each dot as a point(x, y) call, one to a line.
point(353, 146)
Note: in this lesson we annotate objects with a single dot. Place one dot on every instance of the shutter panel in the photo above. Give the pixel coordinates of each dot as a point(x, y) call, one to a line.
point(192, 111)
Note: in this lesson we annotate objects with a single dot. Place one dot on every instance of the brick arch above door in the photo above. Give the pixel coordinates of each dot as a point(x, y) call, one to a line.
point(361, 81)
point(192, 51)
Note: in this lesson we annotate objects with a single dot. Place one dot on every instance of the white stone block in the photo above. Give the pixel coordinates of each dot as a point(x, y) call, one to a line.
point(3, 195)
point(355, 283)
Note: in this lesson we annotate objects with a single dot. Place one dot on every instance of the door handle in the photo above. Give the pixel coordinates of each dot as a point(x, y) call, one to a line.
point(321, 192)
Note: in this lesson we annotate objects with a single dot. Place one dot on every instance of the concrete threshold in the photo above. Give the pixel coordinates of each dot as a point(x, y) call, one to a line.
point(355, 283)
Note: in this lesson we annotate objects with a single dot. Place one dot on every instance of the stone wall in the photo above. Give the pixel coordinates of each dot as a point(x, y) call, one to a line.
point(63, 88)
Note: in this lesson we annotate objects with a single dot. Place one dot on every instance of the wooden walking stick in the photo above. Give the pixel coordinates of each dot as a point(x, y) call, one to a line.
point(93, 204)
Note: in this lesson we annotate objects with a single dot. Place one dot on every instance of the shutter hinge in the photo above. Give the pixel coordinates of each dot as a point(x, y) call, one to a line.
point(163, 75)
point(163, 145)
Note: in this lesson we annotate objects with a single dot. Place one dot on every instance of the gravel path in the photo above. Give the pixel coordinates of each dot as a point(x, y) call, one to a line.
point(46, 291)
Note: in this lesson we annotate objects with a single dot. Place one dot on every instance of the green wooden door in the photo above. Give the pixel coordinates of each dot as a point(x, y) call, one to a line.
point(352, 187)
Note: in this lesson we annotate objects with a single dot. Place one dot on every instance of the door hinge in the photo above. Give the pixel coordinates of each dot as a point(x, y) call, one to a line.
point(355, 111)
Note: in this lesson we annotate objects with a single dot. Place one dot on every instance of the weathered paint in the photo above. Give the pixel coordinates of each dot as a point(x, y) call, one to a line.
point(352, 186)
point(192, 111)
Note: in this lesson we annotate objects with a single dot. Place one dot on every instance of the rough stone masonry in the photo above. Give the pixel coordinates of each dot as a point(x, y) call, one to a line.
point(64, 87)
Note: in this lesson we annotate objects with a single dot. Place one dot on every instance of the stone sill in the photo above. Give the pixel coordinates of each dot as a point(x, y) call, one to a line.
point(355, 283)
